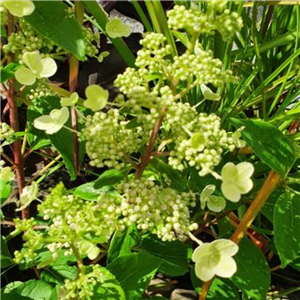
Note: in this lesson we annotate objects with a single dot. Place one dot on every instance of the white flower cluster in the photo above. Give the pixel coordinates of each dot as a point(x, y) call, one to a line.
point(164, 212)
point(196, 22)
point(200, 143)
point(200, 68)
point(83, 287)
point(108, 140)
point(189, 19)
point(152, 55)
point(6, 132)
point(228, 24)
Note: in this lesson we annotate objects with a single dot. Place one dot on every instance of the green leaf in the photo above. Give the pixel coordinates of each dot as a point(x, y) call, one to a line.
point(35, 289)
point(172, 254)
point(286, 227)
point(253, 274)
point(122, 242)
point(62, 140)
point(8, 72)
point(109, 177)
point(109, 289)
point(134, 272)
point(51, 19)
point(268, 143)
point(13, 296)
point(87, 192)
point(6, 259)
point(220, 289)
point(57, 274)
point(178, 179)
point(5, 190)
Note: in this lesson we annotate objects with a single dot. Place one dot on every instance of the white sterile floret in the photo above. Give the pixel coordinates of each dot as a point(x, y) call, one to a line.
point(19, 8)
point(236, 180)
point(215, 259)
point(115, 28)
point(37, 67)
point(96, 97)
point(70, 101)
point(214, 203)
point(53, 122)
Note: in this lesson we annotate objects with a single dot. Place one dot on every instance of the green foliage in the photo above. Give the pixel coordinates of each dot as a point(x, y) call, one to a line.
point(134, 272)
point(269, 144)
point(253, 275)
point(161, 155)
point(58, 26)
point(173, 255)
point(287, 221)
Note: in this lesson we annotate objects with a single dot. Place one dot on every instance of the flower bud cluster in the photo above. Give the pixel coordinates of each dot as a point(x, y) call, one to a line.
point(192, 20)
point(41, 90)
point(33, 239)
point(91, 41)
point(196, 22)
point(228, 24)
point(108, 140)
point(162, 211)
point(83, 287)
point(205, 154)
point(27, 40)
point(130, 79)
point(200, 68)
point(152, 55)
point(6, 132)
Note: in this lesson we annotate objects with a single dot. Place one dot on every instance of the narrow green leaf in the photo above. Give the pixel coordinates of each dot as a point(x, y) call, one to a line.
point(253, 273)
point(51, 19)
point(87, 192)
point(172, 254)
point(8, 72)
point(134, 272)
point(268, 143)
point(286, 227)
point(122, 242)
point(6, 259)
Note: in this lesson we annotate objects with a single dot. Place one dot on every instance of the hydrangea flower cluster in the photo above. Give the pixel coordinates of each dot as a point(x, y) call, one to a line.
point(27, 39)
point(199, 142)
point(84, 286)
point(6, 132)
point(196, 22)
point(108, 140)
point(162, 211)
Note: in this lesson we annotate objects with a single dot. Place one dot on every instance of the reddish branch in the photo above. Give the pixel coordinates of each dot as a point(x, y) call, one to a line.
point(148, 153)
point(14, 123)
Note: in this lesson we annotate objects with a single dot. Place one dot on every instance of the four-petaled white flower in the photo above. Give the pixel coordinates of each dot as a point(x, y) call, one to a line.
point(236, 180)
point(53, 122)
point(215, 259)
point(214, 203)
point(38, 67)
point(19, 8)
